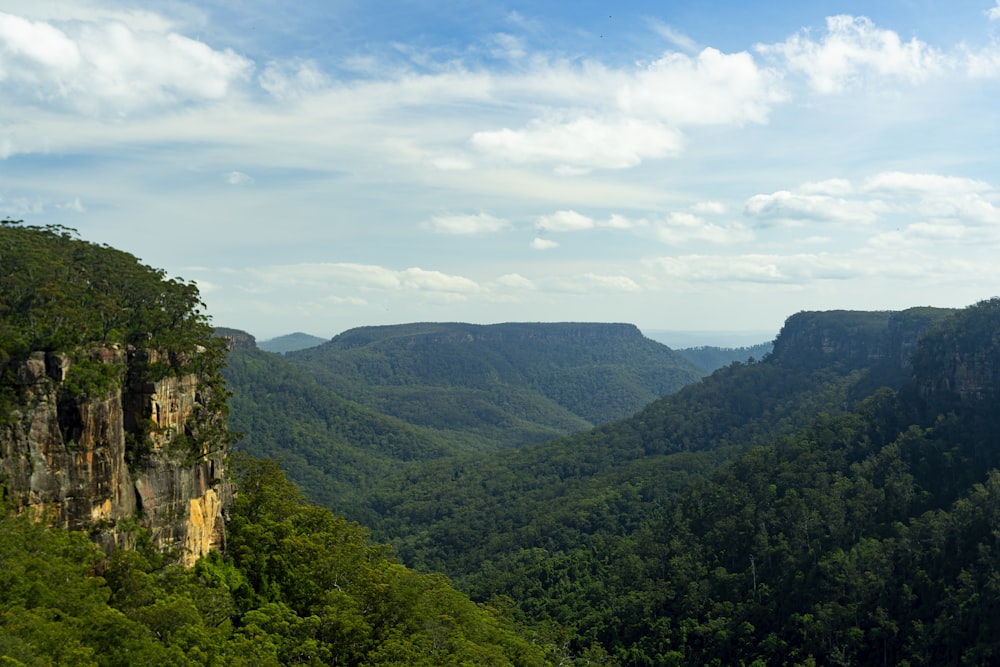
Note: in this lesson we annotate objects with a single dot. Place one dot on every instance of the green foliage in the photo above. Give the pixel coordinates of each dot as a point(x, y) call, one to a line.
point(299, 586)
point(58, 293)
point(710, 358)
point(763, 516)
point(506, 384)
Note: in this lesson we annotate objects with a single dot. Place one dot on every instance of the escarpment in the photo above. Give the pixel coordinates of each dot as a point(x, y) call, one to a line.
point(112, 406)
point(138, 451)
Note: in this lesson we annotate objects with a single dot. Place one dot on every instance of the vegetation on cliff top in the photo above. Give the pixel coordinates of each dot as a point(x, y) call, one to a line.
point(58, 293)
point(299, 586)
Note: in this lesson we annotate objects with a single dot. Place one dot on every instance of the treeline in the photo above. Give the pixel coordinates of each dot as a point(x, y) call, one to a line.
point(59, 292)
point(778, 513)
point(296, 586)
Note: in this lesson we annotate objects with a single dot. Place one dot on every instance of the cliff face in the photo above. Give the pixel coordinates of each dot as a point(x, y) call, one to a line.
point(104, 441)
point(856, 337)
point(961, 359)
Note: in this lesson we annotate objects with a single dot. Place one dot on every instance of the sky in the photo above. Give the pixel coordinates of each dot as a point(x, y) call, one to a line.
point(686, 165)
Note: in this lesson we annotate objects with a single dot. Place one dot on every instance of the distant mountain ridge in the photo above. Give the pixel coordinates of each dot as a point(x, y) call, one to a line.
point(290, 342)
point(590, 372)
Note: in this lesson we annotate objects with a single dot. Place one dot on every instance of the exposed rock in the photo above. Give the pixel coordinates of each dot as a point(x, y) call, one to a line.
point(136, 447)
point(236, 339)
point(865, 337)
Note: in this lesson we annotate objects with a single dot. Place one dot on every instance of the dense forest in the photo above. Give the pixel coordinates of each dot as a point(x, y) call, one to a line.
point(346, 415)
point(835, 502)
point(295, 584)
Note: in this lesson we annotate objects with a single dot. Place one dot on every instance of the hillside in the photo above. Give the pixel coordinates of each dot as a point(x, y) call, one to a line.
point(708, 527)
point(710, 359)
point(290, 342)
point(112, 411)
point(115, 481)
point(333, 448)
point(502, 385)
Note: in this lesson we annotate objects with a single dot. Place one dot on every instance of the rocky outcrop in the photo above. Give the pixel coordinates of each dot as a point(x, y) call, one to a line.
point(855, 338)
point(236, 339)
point(116, 439)
point(960, 360)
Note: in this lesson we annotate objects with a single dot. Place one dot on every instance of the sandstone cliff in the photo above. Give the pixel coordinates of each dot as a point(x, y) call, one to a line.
point(104, 443)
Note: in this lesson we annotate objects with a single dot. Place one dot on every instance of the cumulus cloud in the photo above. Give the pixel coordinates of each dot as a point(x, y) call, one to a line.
point(994, 12)
point(756, 268)
point(583, 143)
point(789, 208)
point(714, 88)
point(590, 282)
point(481, 223)
point(111, 68)
point(238, 178)
point(945, 199)
point(710, 208)
point(565, 221)
point(644, 117)
point(682, 227)
point(365, 277)
point(543, 244)
point(903, 183)
point(852, 51)
point(515, 281)
point(572, 221)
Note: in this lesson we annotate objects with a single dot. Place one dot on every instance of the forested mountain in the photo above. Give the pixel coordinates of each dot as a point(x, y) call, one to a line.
point(837, 502)
point(112, 436)
point(502, 385)
point(333, 448)
point(832, 504)
point(374, 401)
point(709, 358)
point(290, 342)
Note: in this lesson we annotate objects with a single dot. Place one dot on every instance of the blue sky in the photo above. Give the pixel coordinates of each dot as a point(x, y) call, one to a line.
point(690, 165)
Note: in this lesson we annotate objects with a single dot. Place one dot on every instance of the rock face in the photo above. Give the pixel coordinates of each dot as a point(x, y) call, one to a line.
point(961, 360)
point(236, 339)
point(856, 337)
point(112, 441)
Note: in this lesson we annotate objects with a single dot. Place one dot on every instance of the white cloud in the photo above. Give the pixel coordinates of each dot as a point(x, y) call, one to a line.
point(571, 221)
point(682, 227)
point(710, 208)
point(583, 143)
point(543, 244)
point(756, 268)
point(834, 187)
point(507, 46)
point(238, 178)
point(481, 223)
point(292, 79)
point(436, 281)
point(994, 12)
point(792, 208)
point(364, 277)
point(74, 205)
point(515, 281)
point(565, 221)
point(713, 89)
point(590, 282)
point(110, 68)
point(675, 37)
point(951, 199)
point(903, 183)
point(852, 51)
